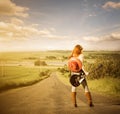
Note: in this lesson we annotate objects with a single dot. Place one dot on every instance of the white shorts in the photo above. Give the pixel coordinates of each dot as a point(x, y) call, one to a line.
point(84, 84)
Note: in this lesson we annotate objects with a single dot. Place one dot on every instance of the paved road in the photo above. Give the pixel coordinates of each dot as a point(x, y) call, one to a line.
point(49, 96)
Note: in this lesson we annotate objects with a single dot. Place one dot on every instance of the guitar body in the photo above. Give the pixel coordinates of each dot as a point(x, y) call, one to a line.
point(77, 78)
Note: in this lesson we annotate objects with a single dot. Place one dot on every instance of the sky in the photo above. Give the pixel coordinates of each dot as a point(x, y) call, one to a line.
point(33, 25)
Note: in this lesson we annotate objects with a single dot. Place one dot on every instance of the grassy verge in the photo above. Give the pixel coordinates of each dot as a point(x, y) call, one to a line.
point(18, 76)
point(107, 86)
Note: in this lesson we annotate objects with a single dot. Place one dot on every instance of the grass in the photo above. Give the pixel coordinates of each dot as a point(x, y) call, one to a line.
point(18, 56)
point(17, 68)
point(17, 76)
point(107, 85)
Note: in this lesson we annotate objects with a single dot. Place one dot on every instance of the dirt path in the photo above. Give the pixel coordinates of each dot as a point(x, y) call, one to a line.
point(49, 96)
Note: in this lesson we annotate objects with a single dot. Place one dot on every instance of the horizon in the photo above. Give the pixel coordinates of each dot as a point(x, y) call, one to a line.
point(56, 51)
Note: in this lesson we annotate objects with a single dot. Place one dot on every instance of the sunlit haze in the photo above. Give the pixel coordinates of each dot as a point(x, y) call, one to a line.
point(32, 25)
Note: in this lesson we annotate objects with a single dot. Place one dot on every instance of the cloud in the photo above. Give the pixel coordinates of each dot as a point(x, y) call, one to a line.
point(12, 27)
point(110, 37)
point(16, 21)
point(10, 31)
point(91, 38)
point(115, 36)
point(8, 8)
point(110, 4)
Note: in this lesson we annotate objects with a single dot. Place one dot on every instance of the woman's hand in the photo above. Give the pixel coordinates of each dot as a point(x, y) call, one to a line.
point(86, 73)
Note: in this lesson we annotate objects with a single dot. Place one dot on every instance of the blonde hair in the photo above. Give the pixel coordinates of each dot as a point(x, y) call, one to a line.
point(76, 51)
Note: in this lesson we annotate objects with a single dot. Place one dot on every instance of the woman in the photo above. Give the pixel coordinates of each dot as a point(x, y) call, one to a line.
point(77, 53)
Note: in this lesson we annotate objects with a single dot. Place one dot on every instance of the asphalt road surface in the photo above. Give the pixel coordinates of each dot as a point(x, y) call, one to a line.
point(51, 96)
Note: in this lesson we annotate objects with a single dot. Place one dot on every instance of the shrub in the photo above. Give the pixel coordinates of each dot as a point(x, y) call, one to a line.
point(40, 63)
point(51, 57)
point(110, 67)
point(45, 73)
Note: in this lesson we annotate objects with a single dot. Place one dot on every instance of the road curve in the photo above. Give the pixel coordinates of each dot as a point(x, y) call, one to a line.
point(49, 96)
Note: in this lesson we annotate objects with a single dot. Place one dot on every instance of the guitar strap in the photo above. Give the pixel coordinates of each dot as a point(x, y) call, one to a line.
point(80, 73)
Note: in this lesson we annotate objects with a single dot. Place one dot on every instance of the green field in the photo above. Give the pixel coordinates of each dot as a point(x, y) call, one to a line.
point(18, 68)
point(17, 76)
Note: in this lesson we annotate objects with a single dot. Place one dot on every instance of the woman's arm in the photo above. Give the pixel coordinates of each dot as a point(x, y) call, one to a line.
point(81, 57)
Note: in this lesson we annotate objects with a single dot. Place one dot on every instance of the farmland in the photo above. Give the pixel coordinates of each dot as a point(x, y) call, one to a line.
point(26, 68)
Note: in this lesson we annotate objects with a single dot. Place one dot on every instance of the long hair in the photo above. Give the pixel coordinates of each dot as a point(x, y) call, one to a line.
point(76, 51)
